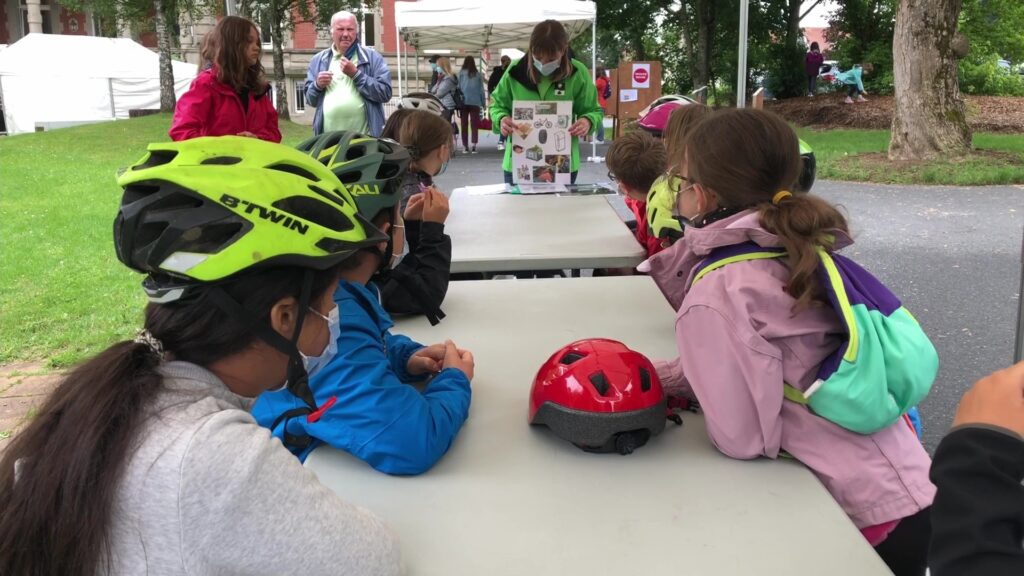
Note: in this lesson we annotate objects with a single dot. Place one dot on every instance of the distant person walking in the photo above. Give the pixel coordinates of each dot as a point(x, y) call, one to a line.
point(604, 91)
point(812, 66)
point(472, 85)
point(492, 85)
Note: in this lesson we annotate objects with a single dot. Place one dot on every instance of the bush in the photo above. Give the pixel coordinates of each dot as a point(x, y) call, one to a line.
point(981, 76)
point(785, 71)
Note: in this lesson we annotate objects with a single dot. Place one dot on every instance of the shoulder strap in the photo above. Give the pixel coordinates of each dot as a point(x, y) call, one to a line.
point(731, 254)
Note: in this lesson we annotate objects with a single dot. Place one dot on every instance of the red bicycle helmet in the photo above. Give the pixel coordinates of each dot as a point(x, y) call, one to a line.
point(599, 395)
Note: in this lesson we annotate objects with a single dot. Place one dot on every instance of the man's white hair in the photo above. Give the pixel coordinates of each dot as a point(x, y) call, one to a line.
point(344, 14)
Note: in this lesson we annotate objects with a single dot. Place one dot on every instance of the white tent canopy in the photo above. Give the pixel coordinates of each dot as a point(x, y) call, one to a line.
point(53, 80)
point(454, 24)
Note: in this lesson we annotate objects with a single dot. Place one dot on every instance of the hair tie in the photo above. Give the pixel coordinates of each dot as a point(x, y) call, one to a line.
point(146, 337)
point(780, 195)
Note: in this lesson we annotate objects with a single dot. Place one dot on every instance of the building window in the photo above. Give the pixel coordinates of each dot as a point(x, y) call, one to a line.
point(263, 20)
point(300, 95)
point(369, 35)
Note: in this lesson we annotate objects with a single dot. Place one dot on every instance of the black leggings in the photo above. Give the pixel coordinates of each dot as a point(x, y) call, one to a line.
point(905, 551)
point(854, 91)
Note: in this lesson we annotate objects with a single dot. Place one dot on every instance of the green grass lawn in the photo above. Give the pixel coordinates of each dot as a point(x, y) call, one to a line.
point(63, 293)
point(860, 155)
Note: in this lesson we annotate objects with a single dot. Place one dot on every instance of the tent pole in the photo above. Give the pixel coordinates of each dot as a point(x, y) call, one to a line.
point(110, 89)
point(593, 74)
point(398, 50)
point(741, 68)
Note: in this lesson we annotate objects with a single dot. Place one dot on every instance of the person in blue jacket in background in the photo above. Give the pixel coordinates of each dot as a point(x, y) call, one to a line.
point(365, 389)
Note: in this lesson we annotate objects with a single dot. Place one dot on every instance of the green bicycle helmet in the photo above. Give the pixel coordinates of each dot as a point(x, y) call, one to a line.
point(370, 168)
point(808, 168)
point(661, 219)
point(198, 211)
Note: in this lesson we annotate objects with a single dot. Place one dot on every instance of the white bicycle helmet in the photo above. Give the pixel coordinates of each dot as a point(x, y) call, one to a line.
point(422, 101)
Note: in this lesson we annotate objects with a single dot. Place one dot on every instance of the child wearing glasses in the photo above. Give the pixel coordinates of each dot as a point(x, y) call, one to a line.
point(760, 337)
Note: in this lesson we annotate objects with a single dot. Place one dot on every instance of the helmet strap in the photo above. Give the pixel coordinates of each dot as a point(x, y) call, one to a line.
point(298, 380)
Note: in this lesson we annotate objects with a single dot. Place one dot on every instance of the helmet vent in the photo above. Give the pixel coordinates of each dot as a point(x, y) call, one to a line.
point(222, 160)
point(334, 198)
point(645, 380)
point(349, 176)
point(211, 238)
point(571, 357)
point(355, 152)
point(292, 169)
point(387, 171)
point(600, 383)
point(157, 158)
point(315, 211)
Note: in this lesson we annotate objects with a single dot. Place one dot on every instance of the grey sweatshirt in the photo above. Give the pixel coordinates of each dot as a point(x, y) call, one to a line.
point(208, 491)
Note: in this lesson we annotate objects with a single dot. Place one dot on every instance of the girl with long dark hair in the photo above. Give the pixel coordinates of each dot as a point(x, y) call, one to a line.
point(231, 97)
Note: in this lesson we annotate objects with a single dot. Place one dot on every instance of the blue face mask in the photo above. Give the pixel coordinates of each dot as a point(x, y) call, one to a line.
point(546, 69)
point(444, 166)
point(433, 67)
point(314, 364)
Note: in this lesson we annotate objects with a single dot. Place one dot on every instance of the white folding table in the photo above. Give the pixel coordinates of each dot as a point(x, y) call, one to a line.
point(512, 499)
point(511, 232)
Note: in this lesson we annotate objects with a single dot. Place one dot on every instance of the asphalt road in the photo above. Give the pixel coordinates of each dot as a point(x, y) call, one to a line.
point(953, 255)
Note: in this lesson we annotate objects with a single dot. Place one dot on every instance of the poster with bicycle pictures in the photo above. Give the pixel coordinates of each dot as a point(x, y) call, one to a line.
point(541, 145)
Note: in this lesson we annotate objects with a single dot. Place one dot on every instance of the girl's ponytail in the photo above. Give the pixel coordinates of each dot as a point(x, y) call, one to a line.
point(803, 223)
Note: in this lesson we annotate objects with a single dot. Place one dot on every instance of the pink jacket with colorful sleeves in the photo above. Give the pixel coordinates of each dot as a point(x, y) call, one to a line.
point(739, 341)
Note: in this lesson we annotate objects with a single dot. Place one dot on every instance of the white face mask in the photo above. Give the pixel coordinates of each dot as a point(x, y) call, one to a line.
point(314, 364)
point(546, 69)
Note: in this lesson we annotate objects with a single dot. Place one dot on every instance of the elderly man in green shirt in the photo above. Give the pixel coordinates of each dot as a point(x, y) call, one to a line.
point(348, 83)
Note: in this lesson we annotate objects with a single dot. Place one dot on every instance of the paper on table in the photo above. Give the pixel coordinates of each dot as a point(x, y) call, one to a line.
point(488, 189)
point(542, 188)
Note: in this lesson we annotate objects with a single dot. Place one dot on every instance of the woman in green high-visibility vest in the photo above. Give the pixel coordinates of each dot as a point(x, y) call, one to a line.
point(547, 72)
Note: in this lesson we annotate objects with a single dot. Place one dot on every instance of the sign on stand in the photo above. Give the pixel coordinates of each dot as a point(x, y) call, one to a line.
point(641, 75)
point(541, 145)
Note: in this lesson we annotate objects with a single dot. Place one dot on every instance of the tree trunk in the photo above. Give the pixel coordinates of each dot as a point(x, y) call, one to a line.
point(705, 41)
point(280, 85)
point(687, 36)
point(930, 118)
point(163, 42)
point(793, 24)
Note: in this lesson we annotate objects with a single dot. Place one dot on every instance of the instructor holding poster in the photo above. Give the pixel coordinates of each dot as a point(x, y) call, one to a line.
point(547, 73)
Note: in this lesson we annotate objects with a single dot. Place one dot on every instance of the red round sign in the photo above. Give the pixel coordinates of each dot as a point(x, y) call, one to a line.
point(640, 75)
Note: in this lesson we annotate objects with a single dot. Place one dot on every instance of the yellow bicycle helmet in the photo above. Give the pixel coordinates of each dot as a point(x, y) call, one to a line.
point(661, 221)
point(203, 210)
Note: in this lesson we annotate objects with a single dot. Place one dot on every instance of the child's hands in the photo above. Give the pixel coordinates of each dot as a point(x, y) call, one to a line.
point(997, 399)
point(435, 206)
point(461, 360)
point(426, 360)
point(414, 209)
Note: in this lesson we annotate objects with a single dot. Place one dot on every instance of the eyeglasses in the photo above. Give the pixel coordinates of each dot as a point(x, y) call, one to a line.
point(675, 184)
point(612, 177)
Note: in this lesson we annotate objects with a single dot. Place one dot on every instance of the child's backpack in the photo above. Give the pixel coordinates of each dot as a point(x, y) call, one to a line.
point(885, 366)
point(607, 89)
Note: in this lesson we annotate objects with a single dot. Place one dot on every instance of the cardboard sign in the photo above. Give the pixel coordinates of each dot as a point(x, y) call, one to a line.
point(541, 145)
point(641, 75)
